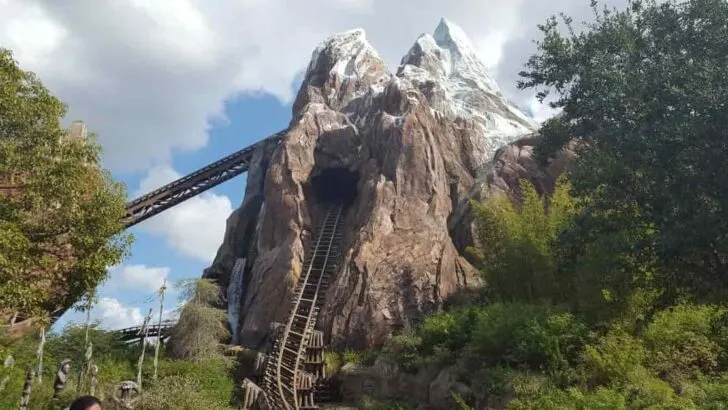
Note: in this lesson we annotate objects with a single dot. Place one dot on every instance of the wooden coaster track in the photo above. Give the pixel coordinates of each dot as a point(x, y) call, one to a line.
point(286, 382)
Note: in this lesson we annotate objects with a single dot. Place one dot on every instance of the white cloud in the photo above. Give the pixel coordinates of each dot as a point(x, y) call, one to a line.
point(113, 314)
point(140, 278)
point(195, 227)
point(148, 76)
point(541, 111)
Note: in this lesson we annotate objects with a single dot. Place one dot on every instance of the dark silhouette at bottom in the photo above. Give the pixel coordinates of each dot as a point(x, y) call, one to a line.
point(86, 403)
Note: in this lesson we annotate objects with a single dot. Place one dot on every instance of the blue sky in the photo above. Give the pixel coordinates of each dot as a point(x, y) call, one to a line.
point(250, 118)
point(172, 85)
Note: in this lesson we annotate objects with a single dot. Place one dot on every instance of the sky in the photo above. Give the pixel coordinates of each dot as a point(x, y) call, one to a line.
point(169, 86)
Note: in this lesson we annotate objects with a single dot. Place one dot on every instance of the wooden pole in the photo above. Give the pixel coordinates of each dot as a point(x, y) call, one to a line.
point(159, 329)
point(41, 343)
point(81, 371)
point(144, 330)
point(93, 379)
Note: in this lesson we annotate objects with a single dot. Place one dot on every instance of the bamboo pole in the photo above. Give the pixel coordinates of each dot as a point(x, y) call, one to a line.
point(159, 329)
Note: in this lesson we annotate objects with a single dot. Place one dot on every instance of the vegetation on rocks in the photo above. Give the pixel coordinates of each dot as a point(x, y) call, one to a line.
point(608, 293)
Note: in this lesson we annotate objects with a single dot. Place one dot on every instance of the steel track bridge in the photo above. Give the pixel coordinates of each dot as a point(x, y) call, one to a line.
point(134, 334)
point(188, 186)
point(192, 184)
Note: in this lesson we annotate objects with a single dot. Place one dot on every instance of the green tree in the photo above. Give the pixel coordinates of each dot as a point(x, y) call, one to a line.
point(59, 211)
point(515, 242)
point(644, 91)
point(70, 344)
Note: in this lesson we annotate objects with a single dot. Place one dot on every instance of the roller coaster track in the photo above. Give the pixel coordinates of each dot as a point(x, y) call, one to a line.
point(134, 334)
point(192, 184)
point(187, 187)
point(286, 384)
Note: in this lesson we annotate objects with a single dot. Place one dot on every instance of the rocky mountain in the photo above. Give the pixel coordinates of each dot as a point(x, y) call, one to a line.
point(413, 144)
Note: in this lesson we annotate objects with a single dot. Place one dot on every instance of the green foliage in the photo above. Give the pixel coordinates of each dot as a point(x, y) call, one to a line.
point(69, 344)
point(59, 212)
point(363, 357)
point(460, 402)
point(548, 338)
point(601, 399)
point(181, 392)
point(515, 243)
point(404, 349)
point(368, 403)
point(332, 361)
point(205, 383)
point(683, 343)
point(448, 331)
point(599, 294)
point(209, 377)
point(643, 90)
point(616, 357)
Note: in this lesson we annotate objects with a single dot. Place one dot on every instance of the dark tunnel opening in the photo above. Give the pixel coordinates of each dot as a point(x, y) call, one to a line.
point(335, 185)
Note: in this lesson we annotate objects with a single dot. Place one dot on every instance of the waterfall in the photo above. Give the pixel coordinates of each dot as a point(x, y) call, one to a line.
point(235, 298)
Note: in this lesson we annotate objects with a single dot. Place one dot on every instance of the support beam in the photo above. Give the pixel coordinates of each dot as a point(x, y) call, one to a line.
point(193, 184)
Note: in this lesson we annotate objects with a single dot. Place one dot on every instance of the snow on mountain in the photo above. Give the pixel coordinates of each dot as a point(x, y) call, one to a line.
point(348, 59)
point(443, 66)
point(446, 68)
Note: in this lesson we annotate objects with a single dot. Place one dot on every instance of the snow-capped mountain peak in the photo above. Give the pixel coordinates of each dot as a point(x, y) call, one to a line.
point(346, 58)
point(447, 69)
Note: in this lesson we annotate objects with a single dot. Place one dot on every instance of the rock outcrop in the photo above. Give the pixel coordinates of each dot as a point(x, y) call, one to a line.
point(510, 164)
point(413, 144)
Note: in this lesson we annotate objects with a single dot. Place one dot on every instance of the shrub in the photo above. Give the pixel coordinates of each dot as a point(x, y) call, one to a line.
point(537, 337)
point(573, 399)
point(332, 361)
point(515, 243)
point(682, 342)
point(201, 326)
point(404, 350)
point(449, 331)
point(368, 403)
point(614, 358)
point(181, 392)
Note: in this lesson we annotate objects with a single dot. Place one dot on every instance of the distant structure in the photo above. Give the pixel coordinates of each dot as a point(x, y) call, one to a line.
point(77, 132)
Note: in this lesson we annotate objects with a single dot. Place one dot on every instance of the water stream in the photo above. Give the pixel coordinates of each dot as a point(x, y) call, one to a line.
point(235, 293)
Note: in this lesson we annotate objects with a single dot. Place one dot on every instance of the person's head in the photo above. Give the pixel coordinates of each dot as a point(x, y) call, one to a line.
point(86, 403)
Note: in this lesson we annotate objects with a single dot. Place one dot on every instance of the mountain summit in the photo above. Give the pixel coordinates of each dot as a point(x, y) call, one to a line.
point(446, 68)
point(402, 151)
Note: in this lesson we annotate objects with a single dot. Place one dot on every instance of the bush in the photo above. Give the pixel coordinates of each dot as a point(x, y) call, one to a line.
point(212, 375)
point(332, 361)
point(600, 399)
point(682, 342)
point(404, 350)
point(209, 379)
point(181, 392)
point(515, 243)
point(537, 337)
point(368, 403)
point(449, 331)
point(363, 357)
point(201, 326)
point(615, 358)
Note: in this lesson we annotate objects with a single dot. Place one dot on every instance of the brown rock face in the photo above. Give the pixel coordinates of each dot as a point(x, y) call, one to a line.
point(510, 164)
point(355, 124)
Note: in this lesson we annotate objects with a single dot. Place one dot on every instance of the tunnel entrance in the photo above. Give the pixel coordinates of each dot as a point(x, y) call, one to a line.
point(335, 185)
